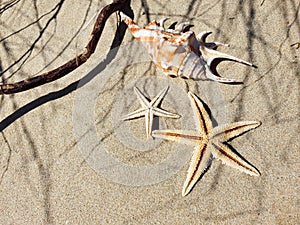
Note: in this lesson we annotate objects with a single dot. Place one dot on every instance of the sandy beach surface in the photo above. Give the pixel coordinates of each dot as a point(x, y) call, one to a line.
point(67, 157)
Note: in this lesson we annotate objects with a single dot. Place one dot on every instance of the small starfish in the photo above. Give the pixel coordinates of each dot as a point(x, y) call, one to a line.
point(209, 143)
point(150, 109)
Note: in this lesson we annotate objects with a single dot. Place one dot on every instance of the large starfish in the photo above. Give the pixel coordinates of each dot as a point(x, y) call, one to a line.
point(150, 109)
point(209, 143)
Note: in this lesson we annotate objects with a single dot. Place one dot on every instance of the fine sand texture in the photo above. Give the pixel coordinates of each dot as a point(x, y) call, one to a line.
point(67, 157)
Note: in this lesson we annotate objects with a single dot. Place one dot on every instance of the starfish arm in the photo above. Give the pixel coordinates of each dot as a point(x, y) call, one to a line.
point(155, 102)
point(136, 114)
point(230, 158)
point(163, 113)
point(201, 115)
point(200, 161)
point(225, 132)
point(143, 100)
point(186, 137)
point(149, 122)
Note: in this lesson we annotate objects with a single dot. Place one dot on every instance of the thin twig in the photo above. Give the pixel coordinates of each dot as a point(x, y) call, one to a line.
point(72, 64)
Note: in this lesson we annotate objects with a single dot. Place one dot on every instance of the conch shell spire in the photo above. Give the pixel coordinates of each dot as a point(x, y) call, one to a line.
point(179, 53)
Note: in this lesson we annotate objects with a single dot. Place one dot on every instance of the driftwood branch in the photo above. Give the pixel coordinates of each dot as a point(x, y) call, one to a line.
point(73, 63)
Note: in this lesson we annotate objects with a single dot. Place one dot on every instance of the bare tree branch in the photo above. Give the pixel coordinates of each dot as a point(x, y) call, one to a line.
point(23, 58)
point(72, 64)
